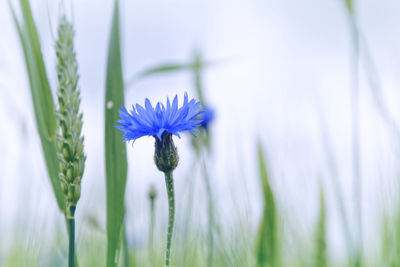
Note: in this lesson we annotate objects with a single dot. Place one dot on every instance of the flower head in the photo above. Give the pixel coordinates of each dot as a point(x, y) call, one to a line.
point(207, 116)
point(149, 121)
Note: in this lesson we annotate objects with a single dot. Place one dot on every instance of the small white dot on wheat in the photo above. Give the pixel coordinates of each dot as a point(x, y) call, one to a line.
point(110, 104)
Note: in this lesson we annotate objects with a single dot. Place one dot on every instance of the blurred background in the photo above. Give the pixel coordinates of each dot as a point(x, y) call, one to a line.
point(281, 72)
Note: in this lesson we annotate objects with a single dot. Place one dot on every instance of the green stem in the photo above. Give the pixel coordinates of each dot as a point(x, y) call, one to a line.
point(197, 73)
point(169, 181)
point(152, 223)
point(210, 215)
point(355, 95)
point(151, 233)
point(71, 225)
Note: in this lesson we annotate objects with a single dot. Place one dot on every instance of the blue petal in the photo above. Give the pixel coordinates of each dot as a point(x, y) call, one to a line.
point(142, 121)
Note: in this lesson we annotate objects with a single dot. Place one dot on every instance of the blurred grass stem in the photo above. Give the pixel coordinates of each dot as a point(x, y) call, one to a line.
point(211, 222)
point(355, 103)
point(152, 225)
point(197, 73)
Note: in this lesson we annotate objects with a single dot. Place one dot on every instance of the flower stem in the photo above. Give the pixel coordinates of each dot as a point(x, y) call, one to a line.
point(169, 181)
point(71, 225)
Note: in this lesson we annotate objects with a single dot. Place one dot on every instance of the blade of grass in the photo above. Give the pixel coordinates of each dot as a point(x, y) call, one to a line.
point(320, 237)
point(42, 99)
point(160, 69)
point(210, 210)
point(116, 162)
point(267, 242)
point(195, 66)
point(390, 235)
point(197, 70)
point(355, 117)
point(163, 68)
point(337, 189)
point(350, 6)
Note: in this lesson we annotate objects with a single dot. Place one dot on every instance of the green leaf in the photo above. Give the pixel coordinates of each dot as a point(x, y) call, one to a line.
point(267, 241)
point(320, 234)
point(115, 149)
point(42, 98)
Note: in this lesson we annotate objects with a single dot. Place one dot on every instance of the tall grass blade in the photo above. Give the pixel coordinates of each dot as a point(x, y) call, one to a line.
point(42, 98)
point(390, 247)
point(267, 239)
point(163, 69)
point(116, 162)
point(211, 219)
point(320, 234)
point(336, 186)
point(355, 117)
point(350, 6)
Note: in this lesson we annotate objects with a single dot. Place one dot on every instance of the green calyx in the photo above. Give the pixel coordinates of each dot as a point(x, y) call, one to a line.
point(70, 139)
point(166, 154)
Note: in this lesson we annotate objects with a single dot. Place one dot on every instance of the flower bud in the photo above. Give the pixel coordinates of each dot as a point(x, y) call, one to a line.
point(165, 155)
point(152, 192)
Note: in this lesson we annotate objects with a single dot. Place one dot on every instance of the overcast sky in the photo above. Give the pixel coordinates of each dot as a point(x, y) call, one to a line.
point(284, 74)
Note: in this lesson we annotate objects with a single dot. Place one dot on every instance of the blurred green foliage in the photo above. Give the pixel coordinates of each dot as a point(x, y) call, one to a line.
point(43, 103)
point(115, 150)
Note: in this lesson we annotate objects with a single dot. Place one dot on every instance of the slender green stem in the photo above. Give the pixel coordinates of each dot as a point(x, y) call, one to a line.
point(210, 226)
point(198, 83)
point(189, 201)
point(197, 75)
point(152, 223)
point(169, 181)
point(337, 189)
point(71, 225)
point(355, 95)
point(151, 232)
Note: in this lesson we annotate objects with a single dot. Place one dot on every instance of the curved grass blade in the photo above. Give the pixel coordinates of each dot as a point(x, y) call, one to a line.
point(163, 68)
point(267, 242)
point(195, 66)
point(116, 162)
point(42, 98)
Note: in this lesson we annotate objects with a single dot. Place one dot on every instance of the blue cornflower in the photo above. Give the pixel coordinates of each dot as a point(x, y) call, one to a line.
point(207, 116)
point(149, 121)
point(162, 122)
